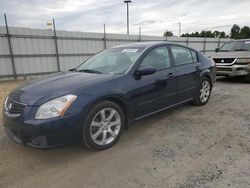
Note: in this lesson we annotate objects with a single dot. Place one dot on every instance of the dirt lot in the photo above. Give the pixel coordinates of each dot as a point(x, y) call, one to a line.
point(187, 147)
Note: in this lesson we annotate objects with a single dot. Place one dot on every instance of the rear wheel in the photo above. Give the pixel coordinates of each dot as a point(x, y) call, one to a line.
point(203, 92)
point(103, 126)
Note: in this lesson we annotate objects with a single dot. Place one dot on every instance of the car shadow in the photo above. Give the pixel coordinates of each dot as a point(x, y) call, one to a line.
point(236, 80)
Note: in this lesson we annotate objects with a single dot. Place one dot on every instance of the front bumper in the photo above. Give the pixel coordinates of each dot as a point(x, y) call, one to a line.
point(43, 133)
point(233, 70)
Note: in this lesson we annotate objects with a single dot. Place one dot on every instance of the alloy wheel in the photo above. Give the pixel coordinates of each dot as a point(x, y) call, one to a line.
point(105, 126)
point(205, 91)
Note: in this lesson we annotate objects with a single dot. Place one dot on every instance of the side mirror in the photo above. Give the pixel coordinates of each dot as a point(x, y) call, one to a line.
point(148, 70)
point(217, 49)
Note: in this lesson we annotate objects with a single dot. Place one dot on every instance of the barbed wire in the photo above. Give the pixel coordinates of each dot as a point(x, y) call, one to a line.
point(145, 29)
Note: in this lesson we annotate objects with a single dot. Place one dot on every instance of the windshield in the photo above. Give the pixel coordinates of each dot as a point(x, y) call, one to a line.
point(111, 61)
point(236, 46)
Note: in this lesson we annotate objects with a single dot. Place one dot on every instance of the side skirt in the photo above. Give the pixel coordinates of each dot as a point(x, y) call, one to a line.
point(151, 113)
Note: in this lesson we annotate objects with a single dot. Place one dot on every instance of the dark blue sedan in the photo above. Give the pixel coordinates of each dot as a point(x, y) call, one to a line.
point(94, 102)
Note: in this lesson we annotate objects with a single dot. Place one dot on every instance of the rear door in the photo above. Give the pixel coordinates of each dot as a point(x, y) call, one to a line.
point(187, 69)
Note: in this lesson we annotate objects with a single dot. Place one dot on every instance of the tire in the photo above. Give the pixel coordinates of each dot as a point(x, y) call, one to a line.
point(99, 131)
point(204, 89)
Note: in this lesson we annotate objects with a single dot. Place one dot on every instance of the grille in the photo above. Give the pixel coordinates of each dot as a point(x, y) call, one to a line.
point(224, 60)
point(223, 69)
point(14, 108)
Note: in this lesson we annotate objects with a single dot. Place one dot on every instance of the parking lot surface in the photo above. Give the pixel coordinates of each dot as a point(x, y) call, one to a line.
point(186, 147)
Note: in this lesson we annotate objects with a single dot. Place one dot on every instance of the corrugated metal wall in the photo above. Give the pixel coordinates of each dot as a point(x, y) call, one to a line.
point(35, 54)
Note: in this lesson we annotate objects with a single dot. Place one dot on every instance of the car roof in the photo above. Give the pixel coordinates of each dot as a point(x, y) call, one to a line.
point(149, 44)
point(143, 44)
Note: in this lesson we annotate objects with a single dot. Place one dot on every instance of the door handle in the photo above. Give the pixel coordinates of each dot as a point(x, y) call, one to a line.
point(197, 68)
point(170, 75)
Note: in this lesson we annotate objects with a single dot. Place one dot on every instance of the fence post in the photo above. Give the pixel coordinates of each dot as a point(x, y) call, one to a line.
point(204, 45)
point(219, 43)
point(10, 47)
point(139, 34)
point(187, 41)
point(104, 37)
point(56, 47)
point(166, 37)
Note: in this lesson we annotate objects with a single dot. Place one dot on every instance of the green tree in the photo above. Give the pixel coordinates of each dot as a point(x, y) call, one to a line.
point(245, 32)
point(196, 34)
point(207, 34)
point(222, 35)
point(168, 33)
point(216, 33)
point(235, 32)
point(185, 35)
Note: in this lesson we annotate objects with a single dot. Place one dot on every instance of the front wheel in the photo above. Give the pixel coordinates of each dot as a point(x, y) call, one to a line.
point(203, 92)
point(103, 125)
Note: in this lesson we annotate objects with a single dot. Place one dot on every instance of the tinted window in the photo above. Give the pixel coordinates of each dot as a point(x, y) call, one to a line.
point(158, 58)
point(194, 54)
point(181, 55)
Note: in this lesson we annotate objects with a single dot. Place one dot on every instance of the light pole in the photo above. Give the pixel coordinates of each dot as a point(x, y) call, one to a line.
point(127, 2)
point(49, 24)
point(179, 28)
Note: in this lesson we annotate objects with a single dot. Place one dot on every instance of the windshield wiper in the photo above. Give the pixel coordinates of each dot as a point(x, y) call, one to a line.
point(90, 71)
point(240, 49)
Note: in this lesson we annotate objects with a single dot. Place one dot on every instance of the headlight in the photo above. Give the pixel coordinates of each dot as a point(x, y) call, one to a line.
point(243, 60)
point(55, 108)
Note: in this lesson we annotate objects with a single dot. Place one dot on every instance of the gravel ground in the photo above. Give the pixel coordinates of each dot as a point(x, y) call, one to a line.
point(184, 147)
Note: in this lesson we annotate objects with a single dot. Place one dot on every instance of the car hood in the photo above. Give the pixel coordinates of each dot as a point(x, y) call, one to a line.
point(238, 54)
point(36, 92)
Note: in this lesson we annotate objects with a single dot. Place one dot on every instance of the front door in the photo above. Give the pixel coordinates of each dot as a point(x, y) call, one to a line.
point(157, 91)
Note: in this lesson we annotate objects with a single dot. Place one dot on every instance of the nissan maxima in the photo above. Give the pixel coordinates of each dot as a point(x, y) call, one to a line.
point(93, 103)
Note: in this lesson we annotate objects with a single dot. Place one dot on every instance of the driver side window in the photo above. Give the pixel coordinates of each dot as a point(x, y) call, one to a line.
point(157, 58)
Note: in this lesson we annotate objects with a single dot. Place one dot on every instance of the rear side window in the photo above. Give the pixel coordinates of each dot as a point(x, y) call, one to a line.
point(182, 55)
point(194, 55)
point(157, 58)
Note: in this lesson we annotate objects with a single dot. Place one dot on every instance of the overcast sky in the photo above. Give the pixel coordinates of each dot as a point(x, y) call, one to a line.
point(153, 16)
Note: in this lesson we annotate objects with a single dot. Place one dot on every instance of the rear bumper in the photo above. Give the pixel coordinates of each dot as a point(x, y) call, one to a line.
point(43, 134)
point(233, 70)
